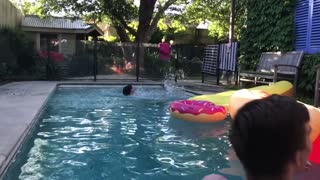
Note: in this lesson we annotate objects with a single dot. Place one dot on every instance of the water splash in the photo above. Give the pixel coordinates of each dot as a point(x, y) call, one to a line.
point(169, 85)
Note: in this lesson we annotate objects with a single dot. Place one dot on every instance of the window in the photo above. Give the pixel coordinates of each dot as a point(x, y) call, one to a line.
point(53, 41)
point(307, 26)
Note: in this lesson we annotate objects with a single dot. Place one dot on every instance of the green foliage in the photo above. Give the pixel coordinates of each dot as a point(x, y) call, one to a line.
point(120, 12)
point(170, 28)
point(133, 25)
point(111, 38)
point(17, 50)
point(33, 8)
point(307, 75)
point(269, 26)
point(81, 65)
point(89, 9)
point(49, 70)
point(5, 72)
point(218, 31)
point(156, 37)
point(218, 13)
point(152, 65)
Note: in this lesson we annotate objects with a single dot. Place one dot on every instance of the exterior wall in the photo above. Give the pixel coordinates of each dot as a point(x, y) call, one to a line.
point(69, 46)
point(10, 16)
point(67, 43)
point(36, 39)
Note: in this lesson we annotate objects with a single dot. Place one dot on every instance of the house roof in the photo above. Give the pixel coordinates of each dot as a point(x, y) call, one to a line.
point(31, 23)
point(54, 22)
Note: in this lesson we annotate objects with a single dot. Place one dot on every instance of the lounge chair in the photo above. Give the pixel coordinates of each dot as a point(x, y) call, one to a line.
point(273, 66)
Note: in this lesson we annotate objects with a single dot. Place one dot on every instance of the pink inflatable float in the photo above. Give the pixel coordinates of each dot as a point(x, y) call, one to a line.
point(197, 111)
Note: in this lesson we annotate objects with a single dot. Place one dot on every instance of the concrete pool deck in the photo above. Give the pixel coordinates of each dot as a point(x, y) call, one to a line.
point(21, 104)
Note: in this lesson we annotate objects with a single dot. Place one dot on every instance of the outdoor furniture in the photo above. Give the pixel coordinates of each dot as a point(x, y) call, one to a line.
point(210, 62)
point(317, 87)
point(219, 58)
point(273, 66)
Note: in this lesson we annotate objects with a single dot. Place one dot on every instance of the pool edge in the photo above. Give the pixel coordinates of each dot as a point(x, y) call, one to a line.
point(22, 139)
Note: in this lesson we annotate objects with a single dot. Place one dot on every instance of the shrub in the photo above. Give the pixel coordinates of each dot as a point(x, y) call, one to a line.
point(269, 26)
point(17, 50)
point(307, 75)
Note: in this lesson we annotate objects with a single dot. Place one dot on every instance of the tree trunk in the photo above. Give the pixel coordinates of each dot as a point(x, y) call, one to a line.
point(121, 31)
point(127, 51)
point(145, 16)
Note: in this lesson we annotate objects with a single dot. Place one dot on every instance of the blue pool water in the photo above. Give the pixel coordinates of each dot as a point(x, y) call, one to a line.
point(97, 133)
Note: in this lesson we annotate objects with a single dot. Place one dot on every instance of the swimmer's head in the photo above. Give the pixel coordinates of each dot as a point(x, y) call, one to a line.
point(127, 90)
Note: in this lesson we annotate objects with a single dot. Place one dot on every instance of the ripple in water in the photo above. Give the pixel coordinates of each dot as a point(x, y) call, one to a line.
point(97, 133)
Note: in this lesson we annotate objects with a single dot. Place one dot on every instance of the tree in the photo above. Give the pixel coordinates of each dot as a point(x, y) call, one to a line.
point(32, 8)
point(218, 12)
point(121, 13)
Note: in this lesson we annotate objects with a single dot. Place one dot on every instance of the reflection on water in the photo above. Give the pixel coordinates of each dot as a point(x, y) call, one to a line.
point(97, 133)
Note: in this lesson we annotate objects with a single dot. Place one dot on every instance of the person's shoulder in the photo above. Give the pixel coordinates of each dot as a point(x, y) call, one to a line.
point(214, 177)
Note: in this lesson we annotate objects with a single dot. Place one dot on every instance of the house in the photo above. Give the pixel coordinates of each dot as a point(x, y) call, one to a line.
point(307, 26)
point(63, 33)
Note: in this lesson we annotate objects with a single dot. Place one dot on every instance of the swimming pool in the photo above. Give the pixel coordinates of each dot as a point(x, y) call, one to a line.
point(97, 133)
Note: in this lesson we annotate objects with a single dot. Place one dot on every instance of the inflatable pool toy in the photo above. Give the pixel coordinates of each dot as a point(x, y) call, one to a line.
point(241, 97)
point(284, 88)
point(221, 99)
point(197, 111)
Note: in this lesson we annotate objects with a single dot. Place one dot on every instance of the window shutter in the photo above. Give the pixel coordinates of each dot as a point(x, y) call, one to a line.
point(315, 30)
point(301, 24)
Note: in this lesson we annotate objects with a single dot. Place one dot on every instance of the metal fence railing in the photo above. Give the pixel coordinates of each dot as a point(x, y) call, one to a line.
point(70, 59)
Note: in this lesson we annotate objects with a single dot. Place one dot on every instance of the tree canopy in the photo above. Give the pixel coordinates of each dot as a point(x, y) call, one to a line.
point(120, 12)
point(218, 13)
point(148, 13)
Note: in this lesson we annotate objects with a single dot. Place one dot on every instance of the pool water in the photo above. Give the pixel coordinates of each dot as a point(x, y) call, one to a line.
point(97, 133)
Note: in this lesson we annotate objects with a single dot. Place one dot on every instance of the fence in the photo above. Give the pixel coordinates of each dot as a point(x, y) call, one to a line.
point(10, 16)
point(71, 59)
point(87, 60)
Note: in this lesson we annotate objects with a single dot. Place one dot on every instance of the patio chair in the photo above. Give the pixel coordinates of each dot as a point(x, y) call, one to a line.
point(273, 66)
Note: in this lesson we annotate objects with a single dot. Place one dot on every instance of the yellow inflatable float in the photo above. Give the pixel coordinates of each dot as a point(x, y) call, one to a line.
point(241, 97)
point(284, 88)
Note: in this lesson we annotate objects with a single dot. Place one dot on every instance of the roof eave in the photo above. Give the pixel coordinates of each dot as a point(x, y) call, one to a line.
point(94, 27)
point(53, 30)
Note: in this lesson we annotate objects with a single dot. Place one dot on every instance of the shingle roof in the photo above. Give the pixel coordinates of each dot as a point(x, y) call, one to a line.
point(54, 22)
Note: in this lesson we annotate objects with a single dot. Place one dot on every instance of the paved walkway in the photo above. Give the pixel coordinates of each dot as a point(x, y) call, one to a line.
point(21, 102)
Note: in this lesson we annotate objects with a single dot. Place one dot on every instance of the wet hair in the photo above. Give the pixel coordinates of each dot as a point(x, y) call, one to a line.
point(127, 90)
point(267, 133)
